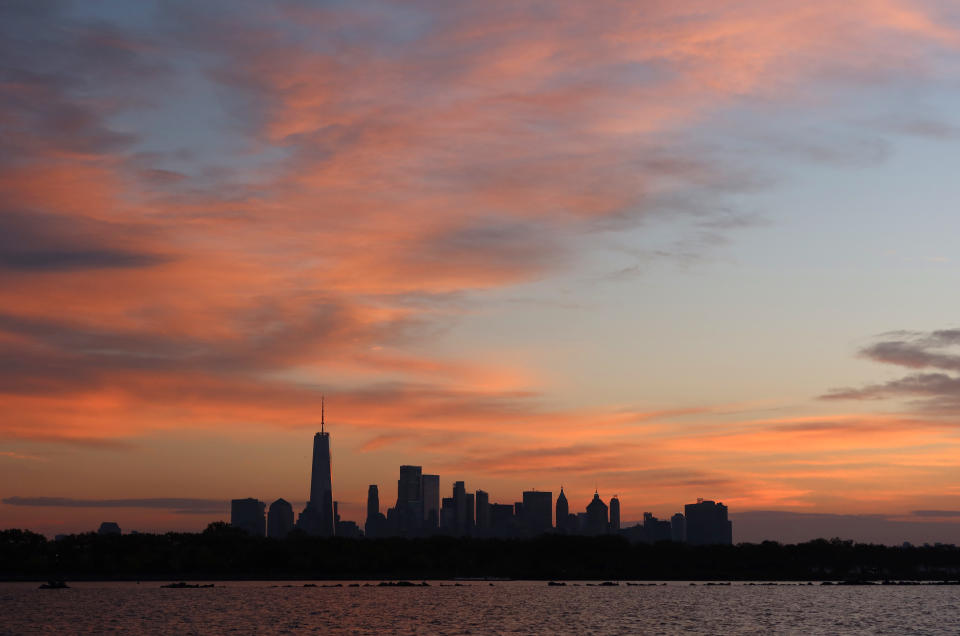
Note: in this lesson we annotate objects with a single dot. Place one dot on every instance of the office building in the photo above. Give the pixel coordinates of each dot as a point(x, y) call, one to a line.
point(483, 512)
point(317, 518)
point(597, 521)
point(707, 523)
point(430, 495)
point(563, 511)
point(279, 519)
point(501, 519)
point(614, 514)
point(448, 516)
point(249, 515)
point(376, 524)
point(678, 528)
point(409, 508)
point(656, 530)
point(537, 512)
point(471, 509)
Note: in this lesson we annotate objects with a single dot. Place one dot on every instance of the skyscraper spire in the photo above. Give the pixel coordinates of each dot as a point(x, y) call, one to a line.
point(321, 412)
point(318, 517)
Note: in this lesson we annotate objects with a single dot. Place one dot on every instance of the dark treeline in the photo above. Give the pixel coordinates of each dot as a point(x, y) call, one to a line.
point(222, 552)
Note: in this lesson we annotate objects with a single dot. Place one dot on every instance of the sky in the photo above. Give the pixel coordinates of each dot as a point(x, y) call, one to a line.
point(655, 249)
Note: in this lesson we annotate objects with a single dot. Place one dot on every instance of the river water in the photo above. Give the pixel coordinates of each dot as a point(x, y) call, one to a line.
point(514, 607)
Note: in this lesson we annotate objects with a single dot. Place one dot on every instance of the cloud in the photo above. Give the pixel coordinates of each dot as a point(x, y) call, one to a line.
point(211, 214)
point(53, 243)
point(794, 527)
point(918, 350)
point(74, 259)
point(185, 506)
point(23, 456)
point(936, 513)
point(935, 392)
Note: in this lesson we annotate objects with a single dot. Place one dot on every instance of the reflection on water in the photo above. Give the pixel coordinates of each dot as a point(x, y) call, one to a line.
point(477, 608)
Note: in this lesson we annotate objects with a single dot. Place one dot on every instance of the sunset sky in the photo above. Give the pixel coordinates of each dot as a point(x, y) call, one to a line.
point(665, 250)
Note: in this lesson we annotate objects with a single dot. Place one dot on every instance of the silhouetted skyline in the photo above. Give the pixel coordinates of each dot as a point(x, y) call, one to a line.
point(472, 514)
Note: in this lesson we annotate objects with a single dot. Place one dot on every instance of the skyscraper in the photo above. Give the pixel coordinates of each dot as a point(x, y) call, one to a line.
point(373, 501)
point(317, 517)
point(614, 515)
point(409, 508)
point(483, 511)
point(471, 509)
point(460, 507)
point(248, 515)
point(448, 516)
point(537, 512)
point(408, 486)
point(279, 519)
point(376, 525)
point(563, 511)
point(430, 495)
point(597, 520)
point(678, 528)
point(707, 523)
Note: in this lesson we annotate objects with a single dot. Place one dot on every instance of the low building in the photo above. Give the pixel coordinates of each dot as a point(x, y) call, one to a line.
point(108, 527)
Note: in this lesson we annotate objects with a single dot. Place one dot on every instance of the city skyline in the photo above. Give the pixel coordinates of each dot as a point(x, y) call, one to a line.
point(419, 511)
point(666, 250)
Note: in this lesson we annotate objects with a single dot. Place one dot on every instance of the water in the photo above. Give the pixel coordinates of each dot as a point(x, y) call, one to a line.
point(515, 607)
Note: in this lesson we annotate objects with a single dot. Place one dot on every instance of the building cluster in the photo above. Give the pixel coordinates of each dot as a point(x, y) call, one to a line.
point(420, 511)
point(320, 517)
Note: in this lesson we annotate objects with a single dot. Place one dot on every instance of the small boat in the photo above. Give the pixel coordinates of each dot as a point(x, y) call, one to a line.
point(55, 584)
point(183, 585)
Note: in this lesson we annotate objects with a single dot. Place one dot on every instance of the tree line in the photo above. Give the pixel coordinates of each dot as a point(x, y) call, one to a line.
point(223, 552)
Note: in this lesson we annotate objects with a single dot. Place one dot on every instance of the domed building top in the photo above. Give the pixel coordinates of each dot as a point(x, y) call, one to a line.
point(596, 502)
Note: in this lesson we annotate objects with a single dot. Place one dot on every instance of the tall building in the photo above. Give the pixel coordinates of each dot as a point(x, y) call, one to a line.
point(501, 518)
point(563, 511)
point(248, 515)
point(408, 486)
point(460, 507)
point(483, 511)
point(430, 495)
point(376, 525)
point(448, 516)
point(707, 523)
point(537, 511)
point(614, 515)
point(471, 508)
point(279, 519)
point(678, 528)
point(317, 517)
point(409, 508)
point(597, 521)
point(373, 501)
